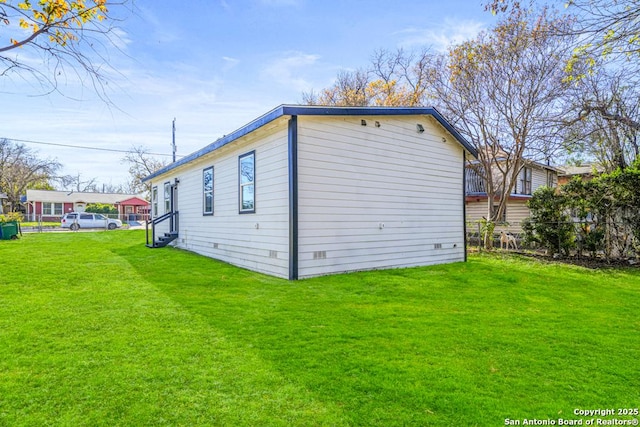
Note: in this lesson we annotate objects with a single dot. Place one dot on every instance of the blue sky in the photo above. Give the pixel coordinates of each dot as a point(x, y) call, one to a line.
point(215, 66)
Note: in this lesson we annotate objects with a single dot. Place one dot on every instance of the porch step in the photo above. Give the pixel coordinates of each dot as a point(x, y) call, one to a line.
point(164, 240)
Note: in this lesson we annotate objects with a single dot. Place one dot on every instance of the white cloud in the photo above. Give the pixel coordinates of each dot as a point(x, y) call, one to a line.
point(289, 69)
point(441, 37)
point(229, 63)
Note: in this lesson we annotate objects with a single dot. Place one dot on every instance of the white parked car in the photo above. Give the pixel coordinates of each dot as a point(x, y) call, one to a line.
point(77, 220)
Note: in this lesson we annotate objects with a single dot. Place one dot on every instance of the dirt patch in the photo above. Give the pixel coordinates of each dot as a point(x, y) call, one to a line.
point(584, 261)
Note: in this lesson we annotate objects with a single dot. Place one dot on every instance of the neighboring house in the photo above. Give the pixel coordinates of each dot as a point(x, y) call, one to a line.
point(586, 172)
point(133, 208)
point(51, 205)
point(305, 191)
point(532, 176)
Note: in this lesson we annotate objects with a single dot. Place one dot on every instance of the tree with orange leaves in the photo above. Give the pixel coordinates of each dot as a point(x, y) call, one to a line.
point(66, 34)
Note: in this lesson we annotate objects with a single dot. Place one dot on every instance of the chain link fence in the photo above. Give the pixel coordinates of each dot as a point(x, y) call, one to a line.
point(586, 239)
point(47, 223)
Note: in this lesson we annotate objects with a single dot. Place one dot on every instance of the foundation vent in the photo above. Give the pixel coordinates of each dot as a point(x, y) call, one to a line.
point(320, 255)
point(437, 246)
point(273, 254)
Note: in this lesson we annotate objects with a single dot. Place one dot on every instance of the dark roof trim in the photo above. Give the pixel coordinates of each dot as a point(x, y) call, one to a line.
point(305, 110)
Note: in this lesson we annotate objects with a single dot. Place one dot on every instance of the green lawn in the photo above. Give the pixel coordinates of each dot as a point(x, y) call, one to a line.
point(98, 330)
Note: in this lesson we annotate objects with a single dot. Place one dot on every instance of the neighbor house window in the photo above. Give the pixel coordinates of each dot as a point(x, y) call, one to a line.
point(167, 197)
point(207, 191)
point(51, 208)
point(526, 181)
point(154, 200)
point(247, 168)
point(551, 181)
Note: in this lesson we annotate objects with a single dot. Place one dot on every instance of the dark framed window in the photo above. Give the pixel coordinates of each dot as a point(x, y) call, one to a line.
point(207, 191)
point(526, 181)
point(247, 182)
point(154, 201)
point(167, 197)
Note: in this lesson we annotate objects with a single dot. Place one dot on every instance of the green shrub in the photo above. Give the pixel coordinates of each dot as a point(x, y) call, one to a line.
point(549, 225)
point(10, 216)
point(102, 208)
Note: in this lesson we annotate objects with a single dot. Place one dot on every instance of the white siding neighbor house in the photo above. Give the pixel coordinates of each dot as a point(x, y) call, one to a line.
point(304, 191)
point(532, 176)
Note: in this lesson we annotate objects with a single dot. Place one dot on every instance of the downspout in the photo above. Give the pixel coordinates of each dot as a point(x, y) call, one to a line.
point(464, 201)
point(293, 197)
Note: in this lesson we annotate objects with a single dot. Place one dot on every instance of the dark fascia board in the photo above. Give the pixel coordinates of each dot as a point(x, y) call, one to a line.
point(306, 110)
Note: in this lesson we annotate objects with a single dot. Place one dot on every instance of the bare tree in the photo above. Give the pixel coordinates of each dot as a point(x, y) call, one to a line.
point(79, 183)
point(141, 165)
point(20, 169)
point(503, 91)
point(349, 90)
point(394, 78)
point(609, 31)
point(605, 123)
point(400, 78)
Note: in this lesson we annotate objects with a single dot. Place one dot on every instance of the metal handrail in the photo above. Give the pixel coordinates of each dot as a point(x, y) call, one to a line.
point(169, 215)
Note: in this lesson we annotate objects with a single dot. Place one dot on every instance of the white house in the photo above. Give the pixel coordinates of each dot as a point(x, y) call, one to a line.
point(304, 191)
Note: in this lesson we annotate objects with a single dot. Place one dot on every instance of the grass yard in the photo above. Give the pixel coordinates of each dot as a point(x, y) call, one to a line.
point(98, 330)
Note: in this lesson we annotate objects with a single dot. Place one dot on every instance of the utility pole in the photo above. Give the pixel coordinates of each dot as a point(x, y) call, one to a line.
point(173, 144)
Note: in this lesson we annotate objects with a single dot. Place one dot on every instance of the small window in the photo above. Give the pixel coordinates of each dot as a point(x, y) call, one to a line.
point(247, 168)
point(154, 199)
point(207, 191)
point(51, 208)
point(86, 216)
point(551, 182)
point(526, 181)
point(167, 197)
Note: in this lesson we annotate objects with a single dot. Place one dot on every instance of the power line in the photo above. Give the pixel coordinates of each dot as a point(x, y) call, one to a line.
point(113, 150)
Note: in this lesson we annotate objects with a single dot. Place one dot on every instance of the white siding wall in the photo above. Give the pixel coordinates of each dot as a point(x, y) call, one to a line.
point(355, 179)
point(258, 241)
point(538, 179)
point(517, 211)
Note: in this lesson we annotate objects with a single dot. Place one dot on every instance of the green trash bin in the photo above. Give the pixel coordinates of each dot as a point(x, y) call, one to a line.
point(9, 230)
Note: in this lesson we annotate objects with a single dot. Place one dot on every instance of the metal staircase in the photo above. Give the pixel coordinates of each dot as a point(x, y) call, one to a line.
point(160, 241)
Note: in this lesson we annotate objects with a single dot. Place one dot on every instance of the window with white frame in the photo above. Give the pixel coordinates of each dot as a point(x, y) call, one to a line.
point(525, 181)
point(551, 181)
point(247, 182)
point(167, 197)
point(154, 201)
point(207, 191)
point(52, 209)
